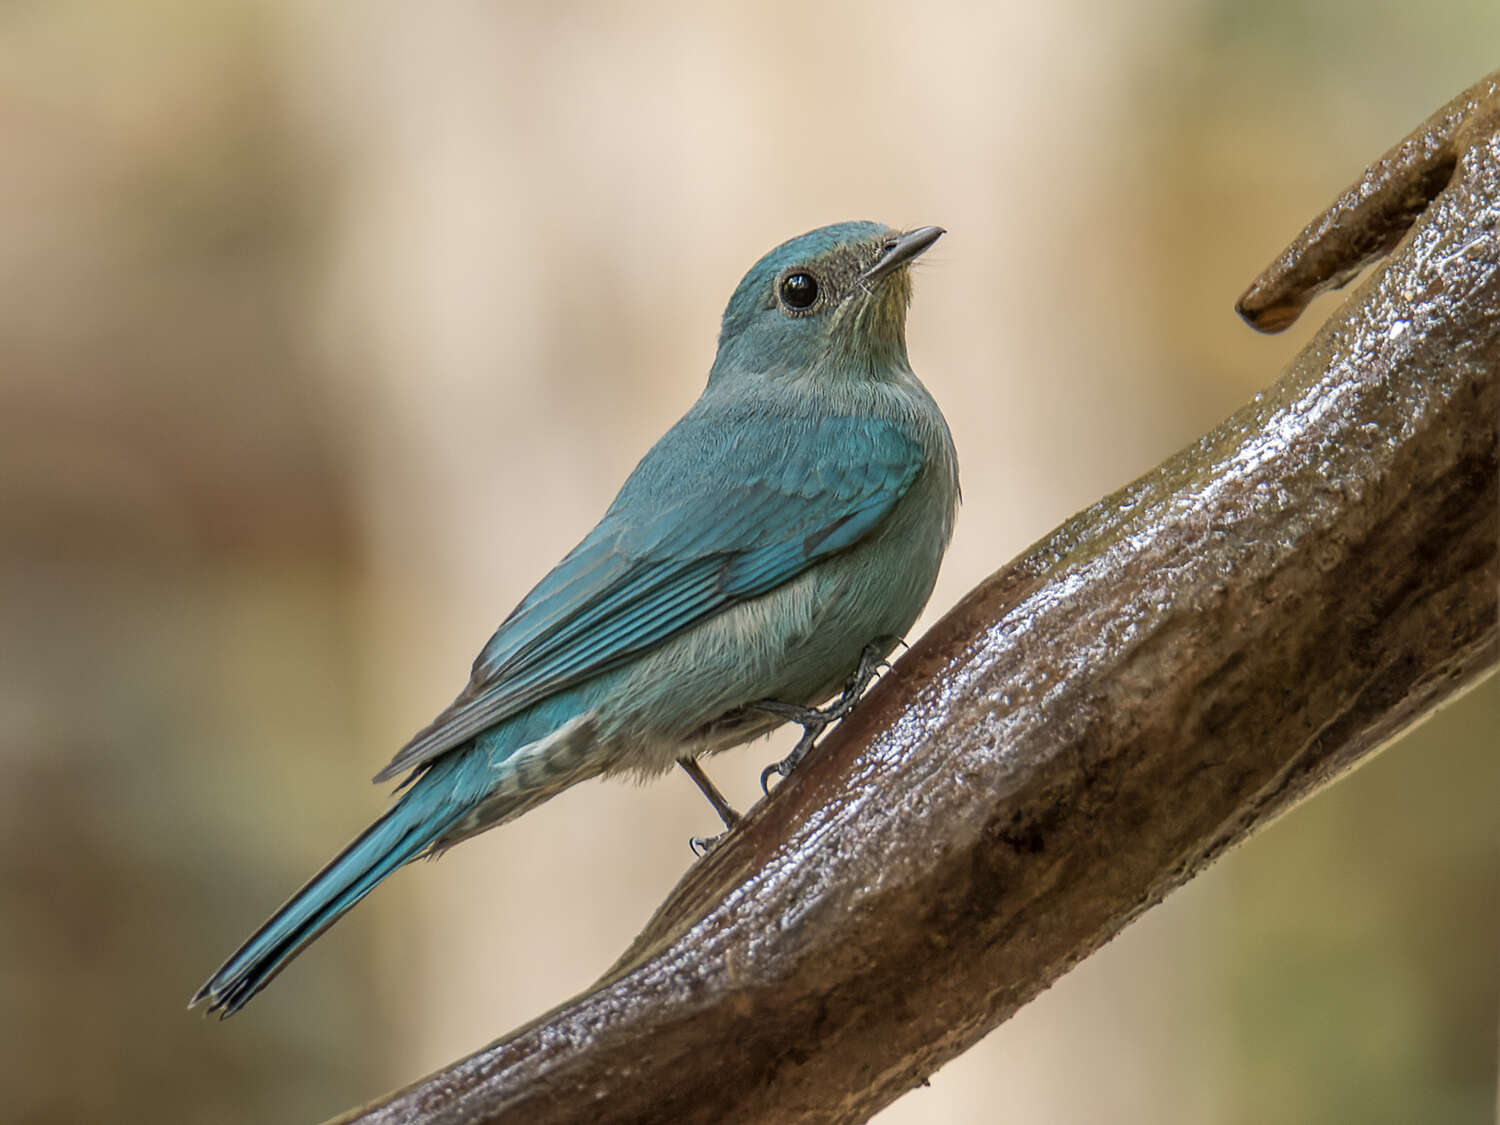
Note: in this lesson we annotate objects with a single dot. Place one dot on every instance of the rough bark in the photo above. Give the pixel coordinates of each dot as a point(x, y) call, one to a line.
point(1099, 720)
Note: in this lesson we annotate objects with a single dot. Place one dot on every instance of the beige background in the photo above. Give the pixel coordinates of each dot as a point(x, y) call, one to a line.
point(328, 328)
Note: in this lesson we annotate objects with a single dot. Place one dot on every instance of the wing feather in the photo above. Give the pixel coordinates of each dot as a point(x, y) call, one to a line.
point(734, 507)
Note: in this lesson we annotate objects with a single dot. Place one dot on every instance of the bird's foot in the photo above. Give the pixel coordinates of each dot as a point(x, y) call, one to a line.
point(702, 845)
point(815, 720)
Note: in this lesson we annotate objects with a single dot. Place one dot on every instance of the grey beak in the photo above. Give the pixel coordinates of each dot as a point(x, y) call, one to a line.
point(901, 249)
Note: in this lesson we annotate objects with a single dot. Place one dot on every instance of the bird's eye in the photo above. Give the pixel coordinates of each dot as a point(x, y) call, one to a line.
point(799, 290)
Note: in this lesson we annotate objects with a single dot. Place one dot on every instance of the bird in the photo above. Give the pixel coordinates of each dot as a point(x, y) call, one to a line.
point(767, 552)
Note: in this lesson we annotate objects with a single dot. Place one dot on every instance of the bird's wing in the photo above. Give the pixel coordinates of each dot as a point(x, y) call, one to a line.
point(722, 510)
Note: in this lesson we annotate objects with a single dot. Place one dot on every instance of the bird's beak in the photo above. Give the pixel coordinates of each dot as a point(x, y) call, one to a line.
point(897, 251)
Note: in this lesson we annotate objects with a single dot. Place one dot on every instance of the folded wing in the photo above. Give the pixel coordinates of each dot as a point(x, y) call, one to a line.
point(724, 509)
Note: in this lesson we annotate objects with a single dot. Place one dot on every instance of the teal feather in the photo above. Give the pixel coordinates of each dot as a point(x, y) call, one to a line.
point(796, 513)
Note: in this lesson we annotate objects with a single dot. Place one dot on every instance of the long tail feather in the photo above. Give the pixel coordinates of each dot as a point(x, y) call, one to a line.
point(411, 827)
point(506, 772)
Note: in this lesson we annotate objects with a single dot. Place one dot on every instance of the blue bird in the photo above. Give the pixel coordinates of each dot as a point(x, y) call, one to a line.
point(771, 548)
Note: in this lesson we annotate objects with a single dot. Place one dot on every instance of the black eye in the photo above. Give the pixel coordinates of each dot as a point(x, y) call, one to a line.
point(799, 290)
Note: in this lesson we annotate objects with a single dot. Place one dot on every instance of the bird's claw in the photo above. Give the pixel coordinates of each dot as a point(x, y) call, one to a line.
point(778, 768)
point(702, 845)
point(811, 729)
point(813, 720)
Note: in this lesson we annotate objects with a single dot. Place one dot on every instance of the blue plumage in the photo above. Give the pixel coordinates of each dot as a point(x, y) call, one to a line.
point(795, 514)
point(748, 511)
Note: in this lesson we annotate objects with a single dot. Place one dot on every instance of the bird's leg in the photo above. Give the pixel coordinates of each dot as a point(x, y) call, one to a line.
point(814, 721)
point(701, 844)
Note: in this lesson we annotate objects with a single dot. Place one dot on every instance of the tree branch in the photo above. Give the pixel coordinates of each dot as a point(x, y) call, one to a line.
point(1099, 720)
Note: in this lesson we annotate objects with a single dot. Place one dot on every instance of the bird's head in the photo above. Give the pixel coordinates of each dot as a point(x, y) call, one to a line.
point(829, 301)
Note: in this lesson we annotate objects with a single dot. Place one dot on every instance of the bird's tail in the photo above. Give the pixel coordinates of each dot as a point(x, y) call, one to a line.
point(412, 826)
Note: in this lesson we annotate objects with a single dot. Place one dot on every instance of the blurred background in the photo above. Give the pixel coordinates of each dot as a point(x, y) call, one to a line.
point(328, 328)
